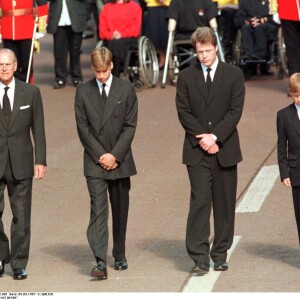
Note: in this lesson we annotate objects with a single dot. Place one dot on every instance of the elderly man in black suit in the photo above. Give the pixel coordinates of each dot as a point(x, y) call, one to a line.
point(288, 144)
point(209, 100)
point(106, 117)
point(67, 20)
point(21, 116)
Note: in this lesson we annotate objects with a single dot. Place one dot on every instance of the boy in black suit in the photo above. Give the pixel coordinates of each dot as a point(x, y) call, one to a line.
point(288, 144)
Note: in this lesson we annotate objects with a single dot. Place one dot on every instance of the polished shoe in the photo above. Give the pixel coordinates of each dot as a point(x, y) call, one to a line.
point(200, 269)
point(121, 264)
point(2, 267)
point(246, 57)
point(221, 266)
point(77, 83)
point(59, 84)
point(100, 271)
point(19, 274)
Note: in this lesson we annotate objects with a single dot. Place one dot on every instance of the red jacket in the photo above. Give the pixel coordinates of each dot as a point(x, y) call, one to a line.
point(289, 9)
point(17, 21)
point(125, 18)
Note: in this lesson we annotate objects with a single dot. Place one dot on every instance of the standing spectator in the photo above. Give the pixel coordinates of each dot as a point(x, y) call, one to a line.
point(67, 21)
point(106, 117)
point(120, 26)
point(16, 27)
point(156, 27)
point(289, 14)
point(209, 100)
point(21, 124)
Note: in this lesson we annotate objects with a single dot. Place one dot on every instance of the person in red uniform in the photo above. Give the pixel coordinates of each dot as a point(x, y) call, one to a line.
point(120, 26)
point(17, 25)
point(289, 14)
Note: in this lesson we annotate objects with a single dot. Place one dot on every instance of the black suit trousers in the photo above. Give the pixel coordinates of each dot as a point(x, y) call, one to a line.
point(97, 232)
point(20, 194)
point(296, 200)
point(67, 43)
point(212, 186)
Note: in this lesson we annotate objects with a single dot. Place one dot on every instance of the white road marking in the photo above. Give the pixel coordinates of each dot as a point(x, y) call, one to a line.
point(259, 189)
point(206, 282)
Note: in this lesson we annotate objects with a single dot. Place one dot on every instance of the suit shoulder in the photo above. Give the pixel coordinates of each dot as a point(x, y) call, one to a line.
point(285, 109)
point(24, 85)
point(230, 68)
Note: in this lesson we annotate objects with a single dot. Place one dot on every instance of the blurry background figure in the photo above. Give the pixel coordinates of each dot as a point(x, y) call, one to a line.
point(156, 26)
point(67, 21)
point(228, 30)
point(94, 8)
point(289, 14)
point(16, 27)
point(258, 29)
point(120, 26)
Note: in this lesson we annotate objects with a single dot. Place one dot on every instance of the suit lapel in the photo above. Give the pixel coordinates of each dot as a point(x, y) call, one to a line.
point(94, 97)
point(200, 81)
point(216, 82)
point(18, 102)
point(294, 117)
point(112, 100)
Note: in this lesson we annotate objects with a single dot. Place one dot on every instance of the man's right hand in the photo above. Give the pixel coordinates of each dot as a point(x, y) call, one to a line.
point(287, 182)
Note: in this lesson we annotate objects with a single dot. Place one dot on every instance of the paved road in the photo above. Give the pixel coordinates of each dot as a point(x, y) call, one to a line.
point(266, 258)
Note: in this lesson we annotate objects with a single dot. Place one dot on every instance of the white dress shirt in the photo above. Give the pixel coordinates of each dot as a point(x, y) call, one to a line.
point(65, 19)
point(213, 69)
point(107, 85)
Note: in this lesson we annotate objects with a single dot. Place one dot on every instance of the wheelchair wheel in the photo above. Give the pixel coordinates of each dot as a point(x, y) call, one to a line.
point(237, 48)
point(148, 61)
point(282, 60)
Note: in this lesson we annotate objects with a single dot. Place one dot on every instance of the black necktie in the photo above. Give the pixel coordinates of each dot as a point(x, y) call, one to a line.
point(104, 96)
point(6, 106)
point(208, 79)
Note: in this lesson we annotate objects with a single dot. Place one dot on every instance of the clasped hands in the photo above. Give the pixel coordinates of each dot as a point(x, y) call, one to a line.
point(207, 143)
point(108, 162)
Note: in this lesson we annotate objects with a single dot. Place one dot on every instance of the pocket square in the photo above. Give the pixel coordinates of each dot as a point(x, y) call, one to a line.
point(25, 106)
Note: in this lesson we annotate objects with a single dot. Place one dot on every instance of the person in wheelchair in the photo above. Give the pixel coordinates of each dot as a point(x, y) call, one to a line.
point(120, 26)
point(257, 29)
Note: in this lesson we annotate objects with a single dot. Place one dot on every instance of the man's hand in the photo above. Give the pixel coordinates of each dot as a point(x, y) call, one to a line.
point(39, 171)
point(287, 182)
point(108, 162)
point(214, 149)
point(206, 141)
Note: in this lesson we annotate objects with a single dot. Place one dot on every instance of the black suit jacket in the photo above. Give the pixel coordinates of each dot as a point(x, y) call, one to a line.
point(107, 129)
point(217, 112)
point(77, 11)
point(15, 141)
point(288, 144)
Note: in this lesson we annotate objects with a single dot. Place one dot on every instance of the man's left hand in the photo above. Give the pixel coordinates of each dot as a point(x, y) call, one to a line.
point(39, 171)
point(206, 141)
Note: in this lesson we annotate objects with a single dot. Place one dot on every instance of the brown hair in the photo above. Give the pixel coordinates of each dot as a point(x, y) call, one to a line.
point(101, 57)
point(294, 83)
point(204, 35)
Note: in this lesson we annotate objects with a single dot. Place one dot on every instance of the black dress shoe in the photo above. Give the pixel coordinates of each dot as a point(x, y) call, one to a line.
point(2, 267)
point(77, 83)
point(121, 264)
point(19, 274)
point(221, 266)
point(59, 84)
point(200, 269)
point(100, 271)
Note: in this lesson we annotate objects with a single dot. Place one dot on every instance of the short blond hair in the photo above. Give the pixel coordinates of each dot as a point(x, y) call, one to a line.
point(101, 58)
point(294, 83)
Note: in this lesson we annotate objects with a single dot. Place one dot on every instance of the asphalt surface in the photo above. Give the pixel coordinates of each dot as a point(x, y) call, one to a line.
point(267, 257)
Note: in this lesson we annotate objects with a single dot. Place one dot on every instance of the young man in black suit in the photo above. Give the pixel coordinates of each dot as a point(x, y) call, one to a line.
point(106, 117)
point(288, 144)
point(209, 99)
point(21, 116)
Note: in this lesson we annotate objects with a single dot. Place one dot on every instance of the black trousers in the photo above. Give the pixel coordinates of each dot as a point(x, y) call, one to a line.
point(20, 194)
point(212, 186)
point(296, 200)
point(21, 48)
point(67, 43)
point(291, 35)
point(97, 232)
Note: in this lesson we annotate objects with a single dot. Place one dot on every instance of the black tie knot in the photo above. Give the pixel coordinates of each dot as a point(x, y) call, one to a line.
point(208, 79)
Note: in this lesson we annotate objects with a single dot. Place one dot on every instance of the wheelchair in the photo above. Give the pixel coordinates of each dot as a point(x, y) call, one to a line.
point(276, 56)
point(180, 53)
point(141, 64)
